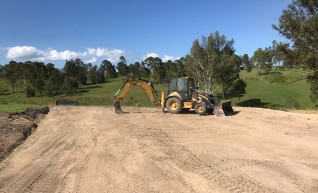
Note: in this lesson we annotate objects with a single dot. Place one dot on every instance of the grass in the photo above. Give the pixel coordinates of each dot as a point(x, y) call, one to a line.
point(16, 107)
point(292, 92)
point(95, 95)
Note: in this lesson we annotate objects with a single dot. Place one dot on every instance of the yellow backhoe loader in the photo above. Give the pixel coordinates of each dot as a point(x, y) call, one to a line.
point(182, 96)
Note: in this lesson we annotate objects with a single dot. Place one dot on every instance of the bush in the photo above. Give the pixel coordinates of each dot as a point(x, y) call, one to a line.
point(275, 78)
point(70, 86)
point(30, 92)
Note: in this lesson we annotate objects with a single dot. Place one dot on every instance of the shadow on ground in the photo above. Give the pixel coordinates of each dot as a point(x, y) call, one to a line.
point(257, 103)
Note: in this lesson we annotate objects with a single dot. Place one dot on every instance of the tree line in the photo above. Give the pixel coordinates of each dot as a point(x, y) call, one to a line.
point(212, 61)
point(40, 79)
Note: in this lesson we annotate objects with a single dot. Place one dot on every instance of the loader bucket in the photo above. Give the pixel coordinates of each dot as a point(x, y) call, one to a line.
point(223, 108)
point(117, 108)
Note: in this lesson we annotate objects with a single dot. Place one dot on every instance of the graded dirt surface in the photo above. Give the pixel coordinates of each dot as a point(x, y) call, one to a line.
point(92, 149)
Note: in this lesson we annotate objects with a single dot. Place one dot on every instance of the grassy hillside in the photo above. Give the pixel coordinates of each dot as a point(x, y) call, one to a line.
point(282, 89)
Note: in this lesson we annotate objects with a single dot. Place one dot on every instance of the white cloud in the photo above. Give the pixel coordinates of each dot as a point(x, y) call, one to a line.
point(92, 60)
point(23, 52)
point(164, 58)
point(151, 55)
point(91, 54)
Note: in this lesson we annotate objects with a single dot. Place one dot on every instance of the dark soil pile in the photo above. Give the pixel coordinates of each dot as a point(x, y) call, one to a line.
point(16, 127)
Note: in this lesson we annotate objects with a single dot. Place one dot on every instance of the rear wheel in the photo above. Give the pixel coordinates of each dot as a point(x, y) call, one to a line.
point(200, 108)
point(174, 105)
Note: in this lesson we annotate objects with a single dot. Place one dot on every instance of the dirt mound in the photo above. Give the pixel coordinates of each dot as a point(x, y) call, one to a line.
point(16, 127)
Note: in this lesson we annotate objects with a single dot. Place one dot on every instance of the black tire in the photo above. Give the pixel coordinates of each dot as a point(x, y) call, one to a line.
point(200, 108)
point(174, 105)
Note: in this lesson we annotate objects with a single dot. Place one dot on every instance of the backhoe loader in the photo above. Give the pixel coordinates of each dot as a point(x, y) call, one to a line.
point(182, 96)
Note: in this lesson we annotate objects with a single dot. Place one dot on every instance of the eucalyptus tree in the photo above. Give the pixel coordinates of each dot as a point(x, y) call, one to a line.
point(299, 24)
point(110, 71)
point(122, 66)
point(214, 63)
point(156, 67)
point(263, 60)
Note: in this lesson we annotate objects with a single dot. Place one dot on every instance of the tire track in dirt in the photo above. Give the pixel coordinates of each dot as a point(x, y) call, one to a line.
point(91, 149)
point(188, 162)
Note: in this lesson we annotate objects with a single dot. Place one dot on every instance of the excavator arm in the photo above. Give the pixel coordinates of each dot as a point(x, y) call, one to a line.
point(144, 84)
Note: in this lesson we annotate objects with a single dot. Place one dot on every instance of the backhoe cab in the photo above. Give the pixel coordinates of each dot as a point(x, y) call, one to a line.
point(182, 96)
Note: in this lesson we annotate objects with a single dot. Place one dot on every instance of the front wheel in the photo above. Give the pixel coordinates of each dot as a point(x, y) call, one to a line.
point(174, 105)
point(200, 108)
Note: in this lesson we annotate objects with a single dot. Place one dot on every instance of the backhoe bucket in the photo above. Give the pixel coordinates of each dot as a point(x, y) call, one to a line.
point(117, 108)
point(223, 108)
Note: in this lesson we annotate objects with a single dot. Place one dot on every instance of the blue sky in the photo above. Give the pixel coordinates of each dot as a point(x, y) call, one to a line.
point(56, 30)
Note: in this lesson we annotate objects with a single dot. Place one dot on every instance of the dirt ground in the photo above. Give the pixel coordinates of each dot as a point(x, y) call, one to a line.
point(92, 149)
point(16, 127)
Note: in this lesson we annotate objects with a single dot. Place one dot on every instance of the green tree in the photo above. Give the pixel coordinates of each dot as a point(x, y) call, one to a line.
point(54, 82)
point(122, 66)
point(135, 70)
point(82, 71)
point(93, 75)
point(246, 62)
point(285, 55)
point(214, 63)
point(156, 67)
point(171, 69)
point(70, 69)
point(70, 85)
point(238, 88)
point(228, 73)
point(313, 80)
point(37, 76)
point(23, 71)
point(144, 71)
point(263, 60)
point(299, 24)
point(76, 69)
point(101, 71)
point(174, 69)
point(110, 71)
point(180, 63)
point(10, 73)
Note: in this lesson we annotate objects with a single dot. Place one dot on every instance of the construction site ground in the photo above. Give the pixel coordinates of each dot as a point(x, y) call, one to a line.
point(92, 149)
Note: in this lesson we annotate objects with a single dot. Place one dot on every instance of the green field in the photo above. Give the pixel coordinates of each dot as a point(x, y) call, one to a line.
point(99, 94)
point(291, 92)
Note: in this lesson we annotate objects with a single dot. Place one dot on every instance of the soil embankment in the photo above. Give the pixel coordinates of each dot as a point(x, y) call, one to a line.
point(16, 127)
